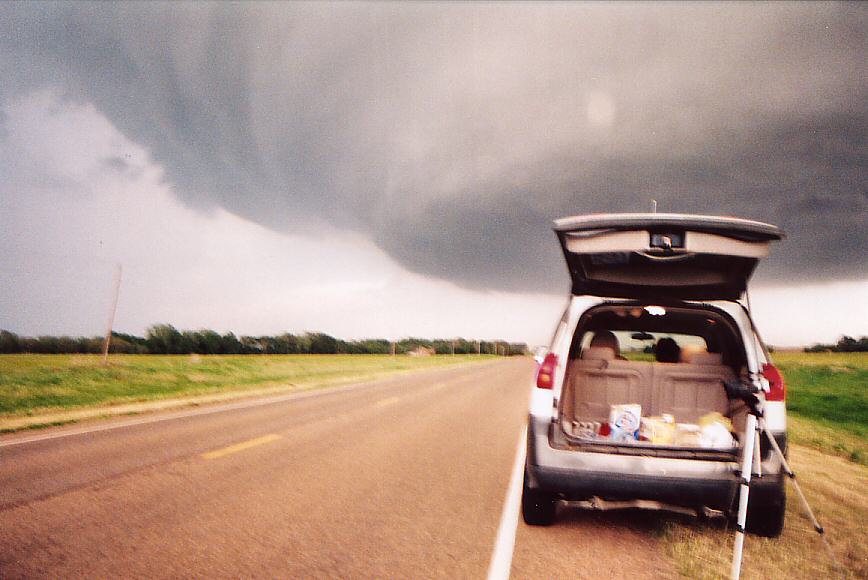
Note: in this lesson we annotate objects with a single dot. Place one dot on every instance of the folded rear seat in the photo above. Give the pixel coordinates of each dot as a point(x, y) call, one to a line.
point(599, 380)
point(687, 390)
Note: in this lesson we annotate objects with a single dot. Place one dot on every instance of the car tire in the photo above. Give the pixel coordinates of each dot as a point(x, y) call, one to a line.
point(767, 518)
point(537, 507)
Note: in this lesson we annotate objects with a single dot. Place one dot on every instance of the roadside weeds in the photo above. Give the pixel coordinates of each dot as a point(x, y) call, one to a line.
point(836, 490)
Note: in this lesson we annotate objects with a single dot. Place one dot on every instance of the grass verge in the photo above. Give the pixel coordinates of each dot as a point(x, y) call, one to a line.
point(827, 402)
point(38, 385)
point(835, 489)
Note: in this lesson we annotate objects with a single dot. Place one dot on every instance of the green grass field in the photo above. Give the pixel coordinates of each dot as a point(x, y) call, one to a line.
point(36, 384)
point(827, 401)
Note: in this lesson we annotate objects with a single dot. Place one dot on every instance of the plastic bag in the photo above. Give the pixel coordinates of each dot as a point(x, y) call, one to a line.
point(716, 431)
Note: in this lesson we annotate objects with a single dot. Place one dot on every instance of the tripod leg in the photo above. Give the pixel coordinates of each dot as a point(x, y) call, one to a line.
point(757, 457)
point(792, 476)
point(744, 492)
point(808, 510)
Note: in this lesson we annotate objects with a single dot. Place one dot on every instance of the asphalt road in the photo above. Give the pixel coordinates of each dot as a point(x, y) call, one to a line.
point(403, 477)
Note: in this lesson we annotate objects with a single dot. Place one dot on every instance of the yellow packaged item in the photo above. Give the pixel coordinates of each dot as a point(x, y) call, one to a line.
point(658, 430)
point(715, 417)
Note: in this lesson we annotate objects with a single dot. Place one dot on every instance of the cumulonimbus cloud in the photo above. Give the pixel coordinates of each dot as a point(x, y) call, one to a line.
point(452, 134)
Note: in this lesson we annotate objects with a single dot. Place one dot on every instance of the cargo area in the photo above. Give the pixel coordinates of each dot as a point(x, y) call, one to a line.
point(652, 378)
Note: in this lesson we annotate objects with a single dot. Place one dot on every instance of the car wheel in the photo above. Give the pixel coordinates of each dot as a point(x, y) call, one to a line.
point(537, 507)
point(767, 518)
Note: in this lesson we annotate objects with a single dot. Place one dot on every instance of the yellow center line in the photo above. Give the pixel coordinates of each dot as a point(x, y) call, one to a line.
point(240, 446)
point(389, 401)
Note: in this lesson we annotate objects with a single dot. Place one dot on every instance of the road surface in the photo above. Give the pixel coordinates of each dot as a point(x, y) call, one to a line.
point(402, 477)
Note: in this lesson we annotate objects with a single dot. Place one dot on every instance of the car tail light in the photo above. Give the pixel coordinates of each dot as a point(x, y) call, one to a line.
point(545, 376)
point(777, 388)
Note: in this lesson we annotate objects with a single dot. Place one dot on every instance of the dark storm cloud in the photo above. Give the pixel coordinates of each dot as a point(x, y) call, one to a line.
point(452, 134)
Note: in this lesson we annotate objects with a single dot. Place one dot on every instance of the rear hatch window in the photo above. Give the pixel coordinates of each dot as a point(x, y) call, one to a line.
point(650, 256)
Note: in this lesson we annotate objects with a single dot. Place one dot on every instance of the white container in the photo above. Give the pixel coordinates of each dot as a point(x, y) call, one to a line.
point(624, 421)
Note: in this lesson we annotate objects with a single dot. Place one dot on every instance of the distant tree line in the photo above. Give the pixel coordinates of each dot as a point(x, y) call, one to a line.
point(166, 339)
point(844, 344)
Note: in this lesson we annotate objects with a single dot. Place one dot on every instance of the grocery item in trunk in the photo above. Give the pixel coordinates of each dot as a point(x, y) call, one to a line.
point(687, 435)
point(586, 429)
point(658, 430)
point(624, 421)
point(715, 431)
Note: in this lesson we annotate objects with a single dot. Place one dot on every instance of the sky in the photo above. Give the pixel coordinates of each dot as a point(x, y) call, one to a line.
point(374, 169)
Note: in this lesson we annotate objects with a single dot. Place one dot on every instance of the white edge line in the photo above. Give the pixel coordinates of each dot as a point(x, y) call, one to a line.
point(501, 558)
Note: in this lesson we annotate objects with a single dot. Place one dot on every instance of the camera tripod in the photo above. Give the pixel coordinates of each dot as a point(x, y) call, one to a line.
point(755, 428)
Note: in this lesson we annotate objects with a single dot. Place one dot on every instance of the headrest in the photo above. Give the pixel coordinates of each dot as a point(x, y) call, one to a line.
point(689, 350)
point(704, 358)
point(598, 353)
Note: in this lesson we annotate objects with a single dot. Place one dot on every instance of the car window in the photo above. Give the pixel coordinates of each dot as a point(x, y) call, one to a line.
point(640, 345)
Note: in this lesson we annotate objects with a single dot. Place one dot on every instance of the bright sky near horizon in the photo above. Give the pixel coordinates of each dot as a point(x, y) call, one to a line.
point(369, 253)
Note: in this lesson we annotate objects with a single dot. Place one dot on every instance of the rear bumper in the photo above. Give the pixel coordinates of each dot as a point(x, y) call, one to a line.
point(716, 494)
point(691, 483)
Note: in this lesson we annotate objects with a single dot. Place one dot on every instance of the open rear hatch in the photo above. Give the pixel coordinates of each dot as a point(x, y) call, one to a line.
point(660, 256)
point(677, 402)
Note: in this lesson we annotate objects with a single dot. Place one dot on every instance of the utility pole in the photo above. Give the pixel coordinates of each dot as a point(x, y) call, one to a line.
point(453, 347)
point(111, 320)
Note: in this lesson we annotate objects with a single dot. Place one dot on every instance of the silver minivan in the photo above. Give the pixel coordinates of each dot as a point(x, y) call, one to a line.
point(657, 325)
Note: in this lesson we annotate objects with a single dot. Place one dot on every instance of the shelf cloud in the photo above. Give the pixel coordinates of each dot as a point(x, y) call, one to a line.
point(451, 135)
